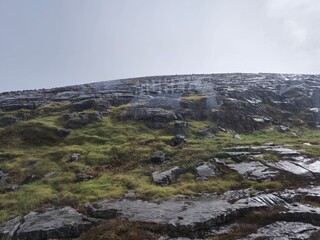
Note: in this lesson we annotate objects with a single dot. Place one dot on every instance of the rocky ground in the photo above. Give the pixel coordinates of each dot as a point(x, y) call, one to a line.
point(223, 156)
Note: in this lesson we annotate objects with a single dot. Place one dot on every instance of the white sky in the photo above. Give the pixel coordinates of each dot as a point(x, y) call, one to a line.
point(63, 42)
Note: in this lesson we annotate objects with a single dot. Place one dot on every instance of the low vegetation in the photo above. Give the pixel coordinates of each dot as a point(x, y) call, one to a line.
point(116, 153)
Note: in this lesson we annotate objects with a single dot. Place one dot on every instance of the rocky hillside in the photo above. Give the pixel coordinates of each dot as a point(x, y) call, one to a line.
point(221, 156)
point(242, 102)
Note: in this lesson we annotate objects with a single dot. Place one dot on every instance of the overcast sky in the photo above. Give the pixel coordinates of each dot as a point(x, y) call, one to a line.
point(63, 42)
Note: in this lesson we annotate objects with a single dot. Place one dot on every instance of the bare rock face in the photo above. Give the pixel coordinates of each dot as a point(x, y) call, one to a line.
point(242, 102)
point(286, 230)
point(60, 223)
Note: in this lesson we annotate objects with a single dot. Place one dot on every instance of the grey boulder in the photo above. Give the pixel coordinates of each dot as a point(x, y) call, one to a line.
point(206, 171)
point(52, 224)
point(286, 231)
point(166, 177)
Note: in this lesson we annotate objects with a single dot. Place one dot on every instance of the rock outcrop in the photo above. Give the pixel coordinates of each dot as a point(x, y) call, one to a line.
point(181, 218)
point(242, 102)
point(166, 177)
point(60, 223)
point(286, 230)
point(206, 171)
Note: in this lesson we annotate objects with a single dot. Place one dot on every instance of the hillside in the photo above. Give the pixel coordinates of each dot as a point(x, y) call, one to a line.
point(221, 156)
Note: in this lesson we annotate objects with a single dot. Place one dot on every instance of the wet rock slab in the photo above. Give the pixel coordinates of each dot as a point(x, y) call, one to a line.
point(254, 171)
point(285, 231)
point(54, 223)
point(180, 217)
point(302, 213)
point(166, 177)
point(291, 167)
point(312, 193)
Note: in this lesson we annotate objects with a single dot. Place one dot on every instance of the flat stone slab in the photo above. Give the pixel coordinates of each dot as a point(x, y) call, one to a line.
point(54, 223)
point(283, 151)
point(181, 217)
point(302, 213)
point(312, 193)
point(312, 165)
point(254, 171)
point(291, 167)
point(285, 231)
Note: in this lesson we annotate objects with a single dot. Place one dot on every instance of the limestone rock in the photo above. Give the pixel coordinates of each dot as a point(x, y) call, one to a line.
point(208, 132)
point(286, 230)
point(166, 177)
point(154, 117)
point(206, 171)
point(236, 101)
point(8, 230)
point(181, 218)
point(254, 171)
point(60, 223)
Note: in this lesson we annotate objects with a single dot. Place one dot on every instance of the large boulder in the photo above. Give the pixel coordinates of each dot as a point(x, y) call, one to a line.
point(60, 223)
point(166, 177)
point(206, 171)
